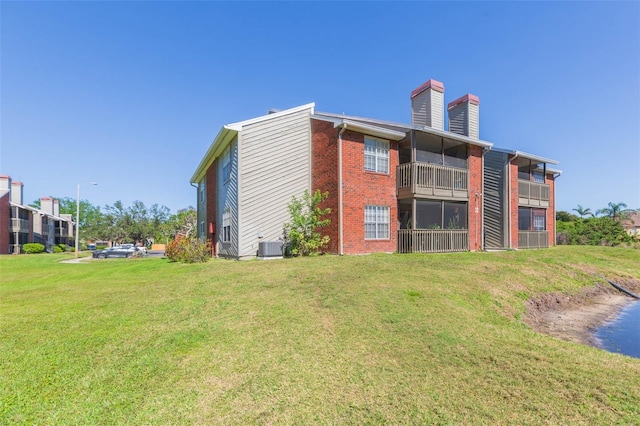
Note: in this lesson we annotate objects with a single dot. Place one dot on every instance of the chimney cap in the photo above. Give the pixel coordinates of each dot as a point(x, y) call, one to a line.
point(16, 182)
point(472, 99)
point(433, 84)
point(46, 198)
point(5, 177)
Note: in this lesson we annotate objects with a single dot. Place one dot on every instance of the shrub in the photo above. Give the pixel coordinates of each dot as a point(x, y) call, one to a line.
point(188, 250)
point(306, 217)
point(57, 249)
point(33, 248)
point(595, 231)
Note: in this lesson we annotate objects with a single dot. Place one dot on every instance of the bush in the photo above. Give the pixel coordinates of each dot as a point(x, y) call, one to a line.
point(33, 248)
point(57, 249)
point(188, 250)
point(306, 218)
point(595, 231)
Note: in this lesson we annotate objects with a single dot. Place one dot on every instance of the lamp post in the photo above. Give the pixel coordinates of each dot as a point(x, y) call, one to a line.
point(78, 218)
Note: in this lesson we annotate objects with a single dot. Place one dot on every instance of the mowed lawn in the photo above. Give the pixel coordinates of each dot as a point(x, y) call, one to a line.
point(380, 339)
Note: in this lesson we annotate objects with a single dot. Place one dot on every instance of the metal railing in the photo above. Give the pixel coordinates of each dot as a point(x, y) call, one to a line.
point(432, 240)
point(533, 239)
point(432, 179)
point(19, 225)
point(533, 193)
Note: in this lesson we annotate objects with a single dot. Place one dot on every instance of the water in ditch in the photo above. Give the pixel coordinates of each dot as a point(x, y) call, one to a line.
point(622, 335)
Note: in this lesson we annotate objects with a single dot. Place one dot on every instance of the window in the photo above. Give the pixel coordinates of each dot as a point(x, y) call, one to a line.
point(376, 155)
point(539, 220)
point(376, 222)
point(226, 164)
point(226, 225)
point(532, 219)
point(441, 215)
point(202, 192)
point(202, 228)
point(538, 177)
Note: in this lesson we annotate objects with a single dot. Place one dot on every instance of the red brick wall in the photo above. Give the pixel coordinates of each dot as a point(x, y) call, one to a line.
point(360, 188)
point(210, 197)
point(513, 204)
point(475, 198)
point(324, 175)
point(551, 217)
point(5, 223)
point(366, 188)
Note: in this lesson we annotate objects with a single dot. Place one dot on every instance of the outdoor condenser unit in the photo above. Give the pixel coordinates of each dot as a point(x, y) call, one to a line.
point(269, 249)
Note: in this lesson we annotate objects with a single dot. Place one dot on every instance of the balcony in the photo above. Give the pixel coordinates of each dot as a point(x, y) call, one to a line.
point(432, 180)
point(533, 194)
point(432, 240)
point(533, 239)
point(19, 225)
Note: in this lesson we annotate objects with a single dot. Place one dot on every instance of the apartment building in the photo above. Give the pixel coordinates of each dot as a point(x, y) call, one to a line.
point(393, 187)
point(21, 224)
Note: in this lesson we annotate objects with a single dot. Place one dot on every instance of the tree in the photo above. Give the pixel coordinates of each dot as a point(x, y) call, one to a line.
point(182, 223)
point(562, 216)
point(583, 212)
point(306, 218)
point(615, 211)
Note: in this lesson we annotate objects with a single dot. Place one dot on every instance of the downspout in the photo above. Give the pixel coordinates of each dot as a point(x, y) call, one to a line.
point(555, 221)
point(340, 228)
point(510, 189)
point(482, 231)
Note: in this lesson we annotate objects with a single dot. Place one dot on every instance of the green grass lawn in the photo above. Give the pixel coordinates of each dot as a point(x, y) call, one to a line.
point(380, 339)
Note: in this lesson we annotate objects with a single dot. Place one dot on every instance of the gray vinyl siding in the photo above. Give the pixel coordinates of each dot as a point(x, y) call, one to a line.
point(227, 197)
point(427, 109)
point(201, 211)
point(495, 200)
point(464, 119)
point(474, 121)
point(458, 120)
point(275, 165)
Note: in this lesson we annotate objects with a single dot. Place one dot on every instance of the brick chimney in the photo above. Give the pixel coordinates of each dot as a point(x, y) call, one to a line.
point(464, 116)
point(46, 205)
point(5, 183)
point(16, 192)
point(427, 105)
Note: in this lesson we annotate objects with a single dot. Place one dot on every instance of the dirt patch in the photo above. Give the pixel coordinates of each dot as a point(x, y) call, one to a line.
point(575, 318)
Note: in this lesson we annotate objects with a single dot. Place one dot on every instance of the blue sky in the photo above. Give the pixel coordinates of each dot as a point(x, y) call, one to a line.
point(131, 94)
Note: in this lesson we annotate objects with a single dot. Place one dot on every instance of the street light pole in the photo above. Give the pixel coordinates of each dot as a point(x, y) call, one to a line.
point(78, 218)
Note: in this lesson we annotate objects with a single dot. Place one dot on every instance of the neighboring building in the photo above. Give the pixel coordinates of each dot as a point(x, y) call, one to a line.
point(392, 187)
point(21, 224)
point(632, 224)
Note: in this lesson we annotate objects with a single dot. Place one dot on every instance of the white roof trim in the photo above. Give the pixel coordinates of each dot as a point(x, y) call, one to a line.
point(407, 127)
point(527, 155)
point(238, 125)
point(42, 212)
point(370, 130)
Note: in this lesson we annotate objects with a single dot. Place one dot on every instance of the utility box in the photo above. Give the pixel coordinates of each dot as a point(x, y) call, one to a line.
point(270, 250)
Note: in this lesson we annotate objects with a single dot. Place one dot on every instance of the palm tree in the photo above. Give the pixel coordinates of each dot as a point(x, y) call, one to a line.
point(615, 211)
point(582, 211)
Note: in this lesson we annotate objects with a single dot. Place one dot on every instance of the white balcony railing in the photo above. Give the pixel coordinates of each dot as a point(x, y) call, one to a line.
point(533, 193)
point(432, 179)
point(432, 240)
point(533, 239)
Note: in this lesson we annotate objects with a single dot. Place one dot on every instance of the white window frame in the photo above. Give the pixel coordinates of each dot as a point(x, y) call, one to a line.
point(538, 221)
point(377, 217)
point(376, 155)
point(202, 192)
point(226, 164)
point(202, 228)
point(226, 225)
